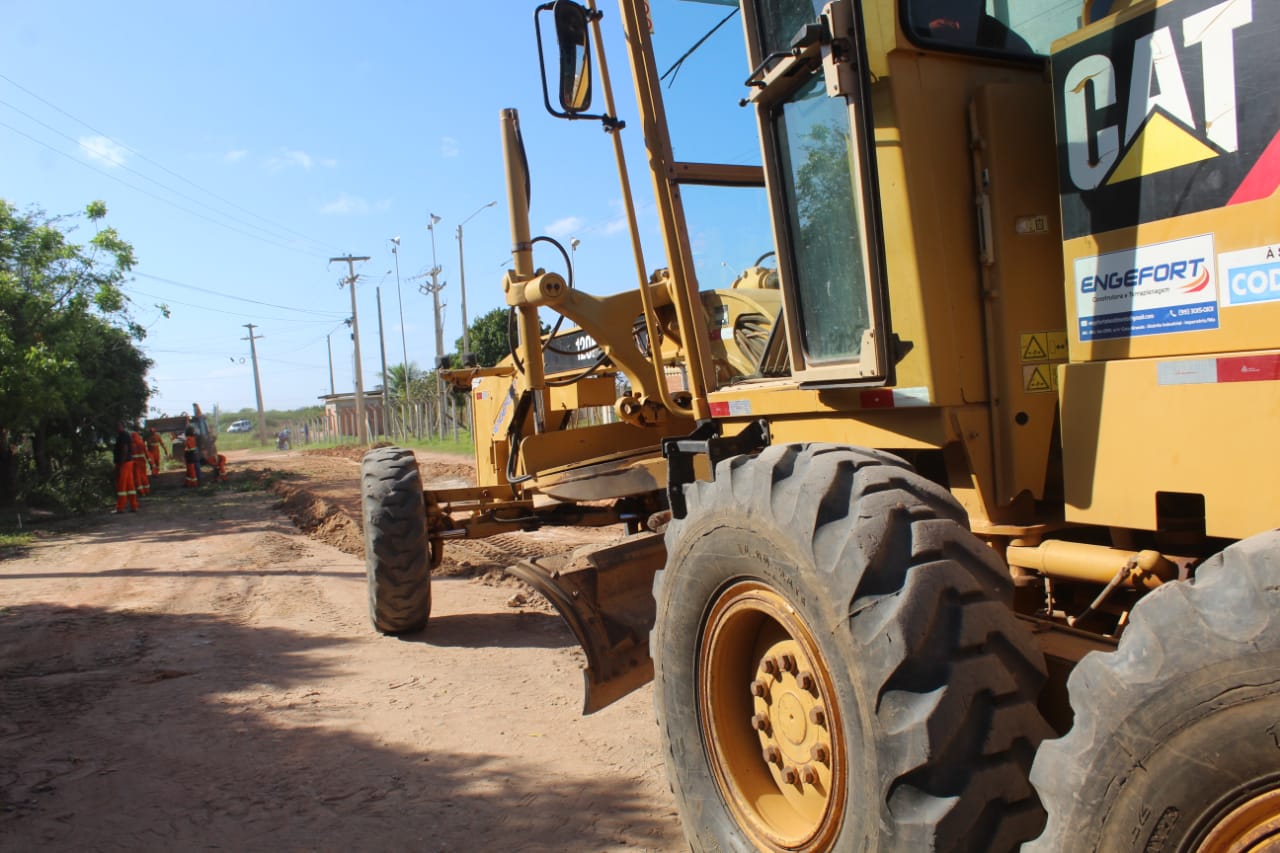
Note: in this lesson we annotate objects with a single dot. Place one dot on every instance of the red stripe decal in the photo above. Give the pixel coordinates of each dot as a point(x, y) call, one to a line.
point(1198, 285)
point(1263, 178)
point(720, 409)
point(1249, 368)
point(879, 398)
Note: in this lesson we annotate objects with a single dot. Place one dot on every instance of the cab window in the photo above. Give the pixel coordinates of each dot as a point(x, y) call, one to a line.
point(1018, 29)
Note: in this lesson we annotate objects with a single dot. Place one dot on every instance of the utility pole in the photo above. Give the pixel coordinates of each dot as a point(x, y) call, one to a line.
point(329, 344)
point(351, 279)
point(434, 289)
point(257, 383)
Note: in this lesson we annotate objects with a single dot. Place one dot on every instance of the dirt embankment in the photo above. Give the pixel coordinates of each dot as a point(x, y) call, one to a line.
point(201, 674)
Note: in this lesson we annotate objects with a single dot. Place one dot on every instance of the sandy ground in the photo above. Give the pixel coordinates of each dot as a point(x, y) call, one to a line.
point(202, 675)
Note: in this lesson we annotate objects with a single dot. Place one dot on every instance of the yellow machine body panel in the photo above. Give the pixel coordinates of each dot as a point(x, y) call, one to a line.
point(1169, 162)
point(1183, 426)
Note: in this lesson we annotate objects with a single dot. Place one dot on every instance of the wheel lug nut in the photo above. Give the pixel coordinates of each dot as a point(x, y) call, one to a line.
point(808, 775)
point(817, 716)
point(819, 752)
point(760, 723)
point(788, 663)
point(807, 682)
point(790, 775)
point(770, 665)
point(773, 755)
point(759, 689)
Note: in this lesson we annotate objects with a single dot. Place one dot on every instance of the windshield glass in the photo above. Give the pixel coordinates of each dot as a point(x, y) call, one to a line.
point(1025, 28)
point(701, 57)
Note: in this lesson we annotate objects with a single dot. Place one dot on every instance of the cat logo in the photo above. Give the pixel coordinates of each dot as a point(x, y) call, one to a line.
point(1151, 120)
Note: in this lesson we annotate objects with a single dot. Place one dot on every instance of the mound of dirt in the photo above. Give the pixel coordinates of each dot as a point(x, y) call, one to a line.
point(319, 519)
point(320, 491)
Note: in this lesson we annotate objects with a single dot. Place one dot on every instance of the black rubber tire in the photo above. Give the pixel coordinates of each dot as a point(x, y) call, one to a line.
point(1179, 724)
point(934, 677)
point(398, 557)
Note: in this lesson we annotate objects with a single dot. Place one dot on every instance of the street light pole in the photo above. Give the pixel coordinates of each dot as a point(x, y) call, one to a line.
point(462, 284)
point(404, 347)
point(435, 287)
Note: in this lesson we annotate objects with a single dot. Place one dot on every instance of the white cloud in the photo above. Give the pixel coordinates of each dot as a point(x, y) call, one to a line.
point(565, 227)
point(616, 226)
point(235, 156)
point(347, 205)
point(289, 158)
point(448, 147)
point(103, 150)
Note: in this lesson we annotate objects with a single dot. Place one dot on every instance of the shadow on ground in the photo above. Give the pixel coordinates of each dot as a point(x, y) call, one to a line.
point(143, 731)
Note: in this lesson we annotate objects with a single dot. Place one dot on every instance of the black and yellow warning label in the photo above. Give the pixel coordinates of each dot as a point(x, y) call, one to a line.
point(1034, 347)
point(1039, 378)
point(1057, 345)
point(1042, 346)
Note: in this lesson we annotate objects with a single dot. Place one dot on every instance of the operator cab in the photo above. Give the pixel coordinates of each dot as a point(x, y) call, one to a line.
point(832, 117)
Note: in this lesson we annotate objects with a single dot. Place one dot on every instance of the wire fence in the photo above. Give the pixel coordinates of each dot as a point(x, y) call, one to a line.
point(419, 420)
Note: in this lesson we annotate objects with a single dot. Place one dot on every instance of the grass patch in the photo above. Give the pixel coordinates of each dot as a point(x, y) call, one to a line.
point(246, 441)
point(259, 481)
point(14, 539)
point(14, 543)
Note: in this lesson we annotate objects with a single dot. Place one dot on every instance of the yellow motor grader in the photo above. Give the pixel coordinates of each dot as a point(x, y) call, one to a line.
point(949, 524)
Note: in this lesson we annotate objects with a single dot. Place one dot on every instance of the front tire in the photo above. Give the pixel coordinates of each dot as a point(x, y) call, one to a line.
point(1176, 739)
point(398, 556)
point(835, 664)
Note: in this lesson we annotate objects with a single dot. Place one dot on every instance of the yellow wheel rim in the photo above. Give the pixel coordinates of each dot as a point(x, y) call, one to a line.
point(1252, 827)
point(770, 722)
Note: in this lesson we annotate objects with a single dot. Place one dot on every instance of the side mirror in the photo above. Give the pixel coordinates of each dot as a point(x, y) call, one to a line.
point(575, 56)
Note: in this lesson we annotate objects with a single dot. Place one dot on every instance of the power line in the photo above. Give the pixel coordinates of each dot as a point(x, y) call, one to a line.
point(161, 199)
point(145, 177)
point(167, 300)
point(327, 314)
point(160, 166)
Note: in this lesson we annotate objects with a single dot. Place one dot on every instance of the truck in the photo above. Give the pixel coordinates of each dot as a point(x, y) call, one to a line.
point(949, 524)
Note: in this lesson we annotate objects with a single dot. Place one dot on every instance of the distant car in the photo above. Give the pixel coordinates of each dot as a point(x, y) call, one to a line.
point(240, 426)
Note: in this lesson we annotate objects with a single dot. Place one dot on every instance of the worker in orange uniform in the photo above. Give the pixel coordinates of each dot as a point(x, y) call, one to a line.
point(191, 455)
point(126, 493)
point(154, 441)
point(138, 450)
point(219, 464)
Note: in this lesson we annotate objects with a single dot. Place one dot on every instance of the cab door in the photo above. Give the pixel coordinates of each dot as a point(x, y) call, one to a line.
point(812, 105)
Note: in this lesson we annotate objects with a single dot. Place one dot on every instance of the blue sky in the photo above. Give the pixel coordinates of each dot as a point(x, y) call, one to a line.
point(240, 145)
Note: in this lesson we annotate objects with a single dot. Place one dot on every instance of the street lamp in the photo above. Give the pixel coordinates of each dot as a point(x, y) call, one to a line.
point(574, 243)
point(404, 347)
point(462, 284)
point(435, 287)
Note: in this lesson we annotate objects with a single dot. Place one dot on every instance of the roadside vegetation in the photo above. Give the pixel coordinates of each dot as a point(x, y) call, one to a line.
point(70, 365)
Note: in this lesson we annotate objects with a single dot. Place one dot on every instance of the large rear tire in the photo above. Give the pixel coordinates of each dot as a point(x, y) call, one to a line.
point(1174, 743)
point(836, 667)
point(398, 557)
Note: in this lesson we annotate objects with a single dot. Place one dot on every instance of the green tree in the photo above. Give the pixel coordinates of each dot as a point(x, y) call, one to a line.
point(69, 367)
point(408, 381)
point(490, 339)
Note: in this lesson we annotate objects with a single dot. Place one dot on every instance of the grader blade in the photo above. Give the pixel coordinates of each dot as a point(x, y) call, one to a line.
point(605, 594)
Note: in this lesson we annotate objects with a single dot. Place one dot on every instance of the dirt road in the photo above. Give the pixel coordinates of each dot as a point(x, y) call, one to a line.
point(201, 674)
